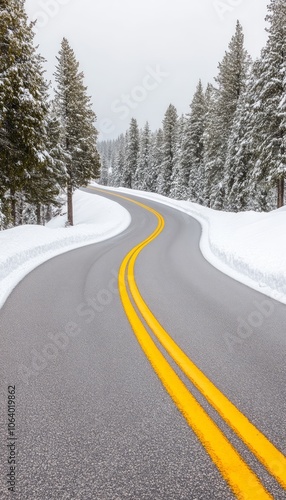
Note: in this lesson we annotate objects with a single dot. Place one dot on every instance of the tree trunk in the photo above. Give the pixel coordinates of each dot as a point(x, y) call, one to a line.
point(280, 191)
point(70, 206)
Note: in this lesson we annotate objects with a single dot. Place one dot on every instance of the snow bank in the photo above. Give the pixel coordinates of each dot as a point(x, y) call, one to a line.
point(247, 246)
point(24, 248)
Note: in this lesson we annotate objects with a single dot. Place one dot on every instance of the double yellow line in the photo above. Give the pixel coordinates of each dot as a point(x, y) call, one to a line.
point(241, 479)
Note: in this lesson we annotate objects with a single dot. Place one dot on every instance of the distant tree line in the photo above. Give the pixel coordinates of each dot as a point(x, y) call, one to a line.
point(229, 151)
point(47, 147)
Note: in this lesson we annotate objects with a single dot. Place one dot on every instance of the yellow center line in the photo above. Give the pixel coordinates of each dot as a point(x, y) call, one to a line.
point(236, 472)
point(272, 459)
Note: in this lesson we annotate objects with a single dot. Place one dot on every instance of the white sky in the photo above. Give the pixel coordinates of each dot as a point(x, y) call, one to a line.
point(121, 43)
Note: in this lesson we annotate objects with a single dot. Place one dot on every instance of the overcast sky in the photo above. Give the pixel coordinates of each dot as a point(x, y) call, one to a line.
point(138, 56)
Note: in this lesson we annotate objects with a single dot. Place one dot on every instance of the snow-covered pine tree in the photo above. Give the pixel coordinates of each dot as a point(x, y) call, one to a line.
point(170, 123)
point(181, 174)
point(231, 81)
point(157, 160)
point(242, 190)
point(78, 132)
point(105, 149)
point(56, 164)
point(54, 135)
point(119, 162)
point(132, 155)
point(104, 175)
point(239, 158)
point(143, 175)
point(193, 149)
point(108, 151)
point(23, 111)
point(179, 183)
point(154, 162)
point(55, 146)
point(211, 142)
point(269, 120)
point(41, 191)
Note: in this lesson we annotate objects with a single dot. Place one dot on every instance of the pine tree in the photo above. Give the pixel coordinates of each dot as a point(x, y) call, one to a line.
point(181, 175)
point(179, 180)
point(194, 145)
point(78, 132)
point(169, 149)
point(154, 162)
point(55, 147)
point(157, 160)
point(143, 174)
point(256, 157)
point(212, 144)
point(132, 155)
point(108, 151)
point(269, 121)
point(42, 190)
point(231, 81)
point(119, 162)
point(105, 149)
point(104, 172)
point(242, 191)
point(23, 112)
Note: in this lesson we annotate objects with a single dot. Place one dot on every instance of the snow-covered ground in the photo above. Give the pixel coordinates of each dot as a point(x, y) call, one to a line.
point(248, 246)
point(24, 248)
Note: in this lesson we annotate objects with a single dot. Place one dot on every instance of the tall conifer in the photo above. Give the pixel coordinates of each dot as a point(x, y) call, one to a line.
point(78, 132)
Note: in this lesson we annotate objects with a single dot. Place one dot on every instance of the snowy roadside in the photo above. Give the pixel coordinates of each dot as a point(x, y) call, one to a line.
point(250, 247)
point(24, 248)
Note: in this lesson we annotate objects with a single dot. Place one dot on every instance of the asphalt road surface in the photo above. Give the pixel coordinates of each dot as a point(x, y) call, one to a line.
point(99, 415)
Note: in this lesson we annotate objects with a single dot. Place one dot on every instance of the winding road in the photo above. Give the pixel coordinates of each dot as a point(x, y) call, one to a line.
point(141, 372)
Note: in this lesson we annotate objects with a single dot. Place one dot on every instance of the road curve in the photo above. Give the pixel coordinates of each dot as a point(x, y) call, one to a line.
point(97, 419)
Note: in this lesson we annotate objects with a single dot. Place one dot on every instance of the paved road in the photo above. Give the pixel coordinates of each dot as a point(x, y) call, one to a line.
point(93, 420)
